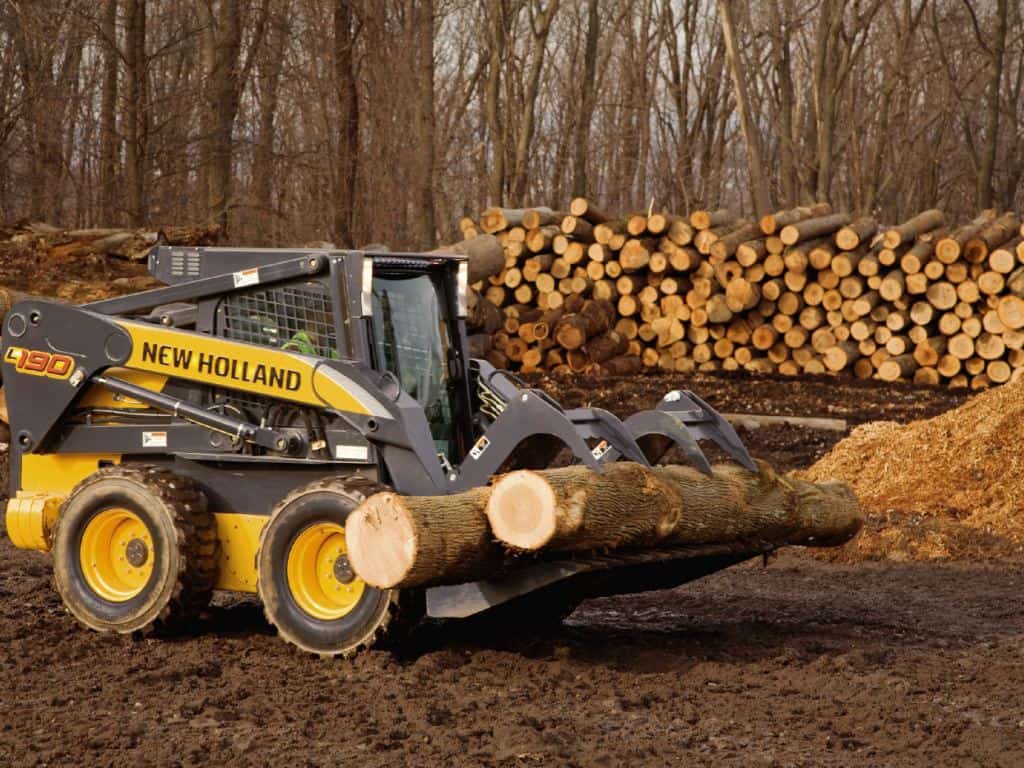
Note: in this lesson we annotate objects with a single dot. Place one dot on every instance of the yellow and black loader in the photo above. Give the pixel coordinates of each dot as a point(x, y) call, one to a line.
point(216, 433)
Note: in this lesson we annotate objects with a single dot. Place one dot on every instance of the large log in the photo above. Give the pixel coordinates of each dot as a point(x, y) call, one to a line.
point(791, 234)
point(908, 230)
point(496, 219)
point(573, 509)
point(709, 219)
point(948, 249)
point(593, 318)
point(401, 541)
point(484, 254)
point(995, 233)
point(414, 540)
point(856, 232)
point(773, 222)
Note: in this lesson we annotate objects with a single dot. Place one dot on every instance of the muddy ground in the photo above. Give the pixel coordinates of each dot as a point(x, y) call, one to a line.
point(802, 663)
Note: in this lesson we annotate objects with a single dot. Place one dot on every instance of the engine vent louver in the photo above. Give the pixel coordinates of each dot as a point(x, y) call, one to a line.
point(186, 263)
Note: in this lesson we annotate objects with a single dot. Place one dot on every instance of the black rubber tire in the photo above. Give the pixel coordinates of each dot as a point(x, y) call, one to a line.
point(185, 547)
point(381, 615)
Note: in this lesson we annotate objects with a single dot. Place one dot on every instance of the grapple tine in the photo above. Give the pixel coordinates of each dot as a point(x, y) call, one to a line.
point(666, 424)
point(703, 421)
point(603, 425)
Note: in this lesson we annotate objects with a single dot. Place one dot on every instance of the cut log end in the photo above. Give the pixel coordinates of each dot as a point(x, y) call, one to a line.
point(522, 511)
point(381, 540)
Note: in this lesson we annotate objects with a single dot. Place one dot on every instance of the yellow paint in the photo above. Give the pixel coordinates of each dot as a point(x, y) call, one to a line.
point(311, 578)
point(105, 552)
point(237, 365)
point(58, 473)
point(98, 396)
point(30, 519)
point(46, 480)
point(239, 542)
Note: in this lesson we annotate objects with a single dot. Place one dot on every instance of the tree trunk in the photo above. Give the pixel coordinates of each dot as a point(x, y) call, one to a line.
point(424, 224)
point(394, 539)
point(108, 117)
point(997, 48)
point(263, 166)
point(136, 122)
point(755, 163)
point(780, 42)
point(497, 30)
point(397, 541)
point(581, 127)
point(221, 45)
point(540, 25)
point(346, 156)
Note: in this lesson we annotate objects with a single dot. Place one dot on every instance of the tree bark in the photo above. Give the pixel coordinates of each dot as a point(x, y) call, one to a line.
point(346, 155)
point(760, 193)
point(263, 165)
point(581, 126)
point(497, 36)
point(397, 541)
point(221, 41)
point(108, 116)
point(136, 122)
point(226, 74)
point(540, 27)
point(997, 48)
point(424, 223)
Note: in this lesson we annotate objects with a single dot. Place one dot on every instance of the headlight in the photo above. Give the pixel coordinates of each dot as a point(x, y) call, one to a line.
point(367, 289)
point(462, 284)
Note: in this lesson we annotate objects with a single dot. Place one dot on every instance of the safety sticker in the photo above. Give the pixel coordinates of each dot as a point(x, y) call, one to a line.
point(154, 439)
point(351, 452)
point(479, 447)
point(601, 449)
point(247, 277)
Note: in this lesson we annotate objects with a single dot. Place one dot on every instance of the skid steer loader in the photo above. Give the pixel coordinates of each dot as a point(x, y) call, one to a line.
point(216, 433)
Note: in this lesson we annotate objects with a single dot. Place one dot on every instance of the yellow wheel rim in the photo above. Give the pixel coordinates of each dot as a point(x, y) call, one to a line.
point(319, 576)
point(116, 555)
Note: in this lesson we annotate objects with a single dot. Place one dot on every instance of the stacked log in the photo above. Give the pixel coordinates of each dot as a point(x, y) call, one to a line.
point(807, 290)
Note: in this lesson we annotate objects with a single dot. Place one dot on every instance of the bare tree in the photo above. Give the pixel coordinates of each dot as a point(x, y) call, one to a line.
point(109, 142)
point(346, 156)
point(588, 82)
point(426, 110)
point(226, 74)
point(759, 190)
point(425, 227)
point(540, 18)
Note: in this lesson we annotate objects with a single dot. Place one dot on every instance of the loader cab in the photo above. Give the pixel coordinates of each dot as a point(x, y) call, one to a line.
point(400, 313)
point(414, 334)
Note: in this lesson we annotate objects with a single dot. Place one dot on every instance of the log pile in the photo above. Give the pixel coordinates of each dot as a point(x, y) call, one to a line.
point(402, 541)
point(802, 291)
point(129, 244)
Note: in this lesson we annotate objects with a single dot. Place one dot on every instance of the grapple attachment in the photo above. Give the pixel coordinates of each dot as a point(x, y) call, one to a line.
point(682, 419)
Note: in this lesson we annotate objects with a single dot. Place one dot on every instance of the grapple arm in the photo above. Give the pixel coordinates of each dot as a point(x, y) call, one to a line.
point(680, 419)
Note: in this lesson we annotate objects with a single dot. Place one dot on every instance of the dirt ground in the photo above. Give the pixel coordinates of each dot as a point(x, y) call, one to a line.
point(802, 663)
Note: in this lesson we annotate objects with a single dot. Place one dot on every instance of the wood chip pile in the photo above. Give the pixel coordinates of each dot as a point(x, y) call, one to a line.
point(959, 472)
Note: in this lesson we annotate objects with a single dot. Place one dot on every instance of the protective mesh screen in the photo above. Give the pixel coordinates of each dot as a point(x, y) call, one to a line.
point(295, 317)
